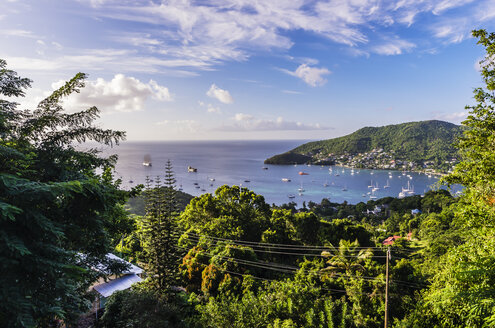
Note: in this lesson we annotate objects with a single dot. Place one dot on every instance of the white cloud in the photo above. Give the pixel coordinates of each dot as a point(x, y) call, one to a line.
point(213, 109)
point(182, 37)
point(220, 94)
point(190, 126)
point(122, 94)
point(394, 47)
point(292, 92)
point(106, 59)
point(17, 33)
point(311, 75)
point(209, 32)
point(448, 4)
point(457, 117)
point(246, 122)
point(452, 30)
point(57, 45)
point(210, 108)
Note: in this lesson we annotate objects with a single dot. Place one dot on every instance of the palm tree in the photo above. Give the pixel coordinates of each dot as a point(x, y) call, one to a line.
point(347, 259)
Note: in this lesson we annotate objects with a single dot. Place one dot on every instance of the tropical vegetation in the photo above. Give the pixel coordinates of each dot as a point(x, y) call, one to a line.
point(229, 259)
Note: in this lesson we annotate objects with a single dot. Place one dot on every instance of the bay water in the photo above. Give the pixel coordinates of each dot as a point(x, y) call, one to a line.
point(241, 163)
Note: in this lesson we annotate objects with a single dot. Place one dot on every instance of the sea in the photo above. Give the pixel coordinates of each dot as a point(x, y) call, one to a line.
point(241, 163)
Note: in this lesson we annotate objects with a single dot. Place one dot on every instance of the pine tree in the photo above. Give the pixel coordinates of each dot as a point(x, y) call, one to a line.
point(161, 231)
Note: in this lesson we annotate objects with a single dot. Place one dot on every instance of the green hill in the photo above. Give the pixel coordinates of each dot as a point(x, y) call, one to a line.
point(135, 205)
point(417, 142)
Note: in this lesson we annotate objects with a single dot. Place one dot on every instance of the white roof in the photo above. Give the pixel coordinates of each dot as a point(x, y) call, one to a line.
point(132, 268)
point(108, 288)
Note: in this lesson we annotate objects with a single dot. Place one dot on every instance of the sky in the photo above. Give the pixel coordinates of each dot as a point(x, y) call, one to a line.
point(250, 69)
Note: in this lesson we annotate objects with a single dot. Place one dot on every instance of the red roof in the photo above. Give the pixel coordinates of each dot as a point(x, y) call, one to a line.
point(390, 240)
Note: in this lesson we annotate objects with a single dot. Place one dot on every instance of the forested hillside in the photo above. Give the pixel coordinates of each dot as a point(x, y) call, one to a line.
point(414, 141)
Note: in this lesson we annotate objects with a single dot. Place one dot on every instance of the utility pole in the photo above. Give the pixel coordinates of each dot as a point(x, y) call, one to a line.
point(386, 288)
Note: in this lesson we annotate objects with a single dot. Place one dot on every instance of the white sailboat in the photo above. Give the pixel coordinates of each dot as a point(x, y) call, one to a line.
point(301, 189)
point(387, 185)
point(407, 191)
point(372, 196)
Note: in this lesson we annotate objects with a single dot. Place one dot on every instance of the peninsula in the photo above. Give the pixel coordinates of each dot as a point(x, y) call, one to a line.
point(414, 146)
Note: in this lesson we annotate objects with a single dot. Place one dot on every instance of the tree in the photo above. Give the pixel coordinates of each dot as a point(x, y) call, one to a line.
point(160, 232)
point(141, 308)
point(232, 213)
point(55, 209)
point(462, 293)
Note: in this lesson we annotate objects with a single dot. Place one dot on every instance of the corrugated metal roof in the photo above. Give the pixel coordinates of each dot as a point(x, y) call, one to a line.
point(122, 283)
point(132, 267)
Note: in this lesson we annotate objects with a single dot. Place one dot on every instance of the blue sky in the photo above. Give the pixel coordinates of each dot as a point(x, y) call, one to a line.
point(245, 69)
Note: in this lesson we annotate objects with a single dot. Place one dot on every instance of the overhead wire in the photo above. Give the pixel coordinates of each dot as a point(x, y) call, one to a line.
point(291, 269)
point(255, 249)
point(284, 246)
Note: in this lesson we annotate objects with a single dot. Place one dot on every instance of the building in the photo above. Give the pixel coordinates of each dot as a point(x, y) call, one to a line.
point(106, 286)
point(390, 240)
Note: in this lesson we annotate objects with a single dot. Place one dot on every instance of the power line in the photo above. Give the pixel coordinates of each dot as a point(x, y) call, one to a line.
point(291, 253)
point(291, 269)
point(283, 246)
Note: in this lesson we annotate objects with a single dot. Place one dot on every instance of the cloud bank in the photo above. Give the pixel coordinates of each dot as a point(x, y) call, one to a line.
point(246, 122)
point(121, 94)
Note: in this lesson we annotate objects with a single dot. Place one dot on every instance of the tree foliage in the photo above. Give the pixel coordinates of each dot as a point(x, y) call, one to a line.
point(462, 259)
point(413, 141)
point(55, 209)
point(160, 232)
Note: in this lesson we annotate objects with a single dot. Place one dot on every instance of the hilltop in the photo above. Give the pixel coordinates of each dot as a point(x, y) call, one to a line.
point(413, 145)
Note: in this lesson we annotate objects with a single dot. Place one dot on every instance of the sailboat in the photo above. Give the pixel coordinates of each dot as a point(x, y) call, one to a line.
point(411, 189)
point(301, 189)
point(372, 196)
point(387, 185)
point(406, 191)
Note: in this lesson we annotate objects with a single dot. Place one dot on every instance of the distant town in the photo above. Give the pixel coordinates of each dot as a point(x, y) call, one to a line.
point(381, 159)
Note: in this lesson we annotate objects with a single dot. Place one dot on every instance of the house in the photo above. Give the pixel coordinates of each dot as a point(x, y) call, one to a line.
point(390, 240)
point(105, 287)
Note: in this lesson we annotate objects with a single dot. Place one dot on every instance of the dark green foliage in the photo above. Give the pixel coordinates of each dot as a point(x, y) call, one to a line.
point(276, 304)
point(461, 260)
point(160, 233)
point(57, 213)
point(136, 205)
point(288, 158)
point(414, 141)
point(145, 309)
